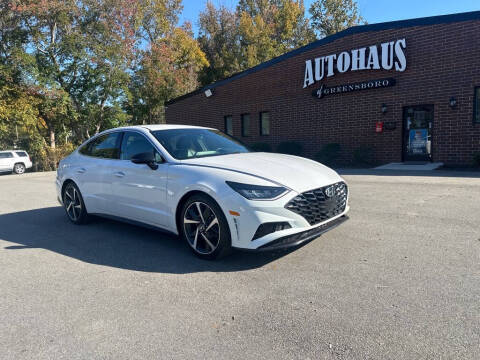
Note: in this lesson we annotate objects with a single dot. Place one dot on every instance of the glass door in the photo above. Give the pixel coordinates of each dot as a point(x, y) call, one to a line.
point(417, 133)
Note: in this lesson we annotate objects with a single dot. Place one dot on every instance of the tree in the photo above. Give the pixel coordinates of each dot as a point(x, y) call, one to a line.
point(331, 16)
point(219, 39)
point(169, 64)
point(269, 28)
point(257, 31)
point(82, 49)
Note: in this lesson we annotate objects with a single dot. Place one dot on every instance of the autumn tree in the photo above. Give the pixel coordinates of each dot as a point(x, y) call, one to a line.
point(269, 28)
point(81, 48)
point(169, 63)
point(219, 39)
point(331, 16)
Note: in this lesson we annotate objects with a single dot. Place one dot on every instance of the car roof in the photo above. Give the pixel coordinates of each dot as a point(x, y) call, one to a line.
point(16, 150)
point(154, 127)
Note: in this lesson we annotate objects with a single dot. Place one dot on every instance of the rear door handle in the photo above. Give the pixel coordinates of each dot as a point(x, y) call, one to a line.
point(119, 174)
point(81, 170)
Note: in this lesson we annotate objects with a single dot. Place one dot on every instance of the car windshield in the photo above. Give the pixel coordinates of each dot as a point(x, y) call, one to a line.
point(193, 143)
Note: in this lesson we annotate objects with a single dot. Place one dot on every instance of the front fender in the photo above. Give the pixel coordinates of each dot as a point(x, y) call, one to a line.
point(184, 179)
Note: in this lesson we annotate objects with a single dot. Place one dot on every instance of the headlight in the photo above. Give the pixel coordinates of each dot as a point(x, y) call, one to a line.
point(257, 192)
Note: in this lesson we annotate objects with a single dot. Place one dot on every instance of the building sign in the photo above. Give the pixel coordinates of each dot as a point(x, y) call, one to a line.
point(364, 85)
point(387, 56)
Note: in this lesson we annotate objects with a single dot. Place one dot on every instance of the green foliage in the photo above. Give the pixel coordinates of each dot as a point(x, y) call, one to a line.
point(329, 154)
point(476, 159)
point(331, 16)
point(290, 147)
point(363, 155)
point(69, 69)
point(269, 28)
point(261, 147)
point(219, 39)
point(257, 31)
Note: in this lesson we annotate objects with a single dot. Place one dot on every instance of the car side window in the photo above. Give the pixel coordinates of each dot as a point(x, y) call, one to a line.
point(134, 143)
point(21, 153)
point(6, 155)
point(105, 146)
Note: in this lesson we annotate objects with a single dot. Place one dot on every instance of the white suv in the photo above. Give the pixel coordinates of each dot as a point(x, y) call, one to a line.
point(17, 161)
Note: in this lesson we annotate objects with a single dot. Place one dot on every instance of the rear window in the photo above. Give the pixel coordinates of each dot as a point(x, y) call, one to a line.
point(21, 153)
point(6, 155)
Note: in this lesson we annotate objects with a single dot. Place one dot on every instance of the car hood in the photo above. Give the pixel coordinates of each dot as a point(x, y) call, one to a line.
point(294, 172)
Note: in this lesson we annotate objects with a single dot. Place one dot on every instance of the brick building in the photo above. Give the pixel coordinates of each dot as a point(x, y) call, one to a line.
point(406, 90)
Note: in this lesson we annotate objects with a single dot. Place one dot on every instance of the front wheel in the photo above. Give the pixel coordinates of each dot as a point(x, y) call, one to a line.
point(19, 169)
point(74, 205)
point(204, 227)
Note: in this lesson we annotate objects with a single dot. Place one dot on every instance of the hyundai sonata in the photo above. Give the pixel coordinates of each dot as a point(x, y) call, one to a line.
point(203, 185)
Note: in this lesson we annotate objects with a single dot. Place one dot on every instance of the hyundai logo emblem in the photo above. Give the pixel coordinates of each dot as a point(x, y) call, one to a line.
point(330, 191)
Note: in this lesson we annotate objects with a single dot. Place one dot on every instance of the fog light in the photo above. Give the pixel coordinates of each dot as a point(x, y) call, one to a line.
point(268, 228)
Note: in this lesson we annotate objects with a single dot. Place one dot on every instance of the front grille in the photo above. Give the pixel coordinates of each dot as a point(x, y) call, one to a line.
point(320, 204)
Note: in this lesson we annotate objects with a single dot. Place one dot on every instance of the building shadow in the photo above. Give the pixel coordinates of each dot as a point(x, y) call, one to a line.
point(457, 173)
point(116, 244)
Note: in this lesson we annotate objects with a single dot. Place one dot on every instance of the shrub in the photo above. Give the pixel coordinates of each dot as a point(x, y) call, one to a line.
point(363, 155)
point(329, 154)
point(261, 147)
point(476, 159)
point(290, 147)
point(47, 159)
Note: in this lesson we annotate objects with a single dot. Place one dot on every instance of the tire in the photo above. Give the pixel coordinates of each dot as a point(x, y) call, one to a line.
point(19, 168)
point(73, 204)
point(204, 228)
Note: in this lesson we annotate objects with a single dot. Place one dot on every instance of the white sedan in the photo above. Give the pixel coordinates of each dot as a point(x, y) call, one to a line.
point(203, 185)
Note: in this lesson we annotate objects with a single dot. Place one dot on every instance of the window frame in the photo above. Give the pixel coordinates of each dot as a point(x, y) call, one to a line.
point(243, 128)
point(476, 104)
point(89, 143)
point(225, 118)
point(124, 133)
point(261, 125)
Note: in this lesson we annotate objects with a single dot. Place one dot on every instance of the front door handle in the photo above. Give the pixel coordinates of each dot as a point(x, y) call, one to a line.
point(119, 174)
point(81, 170)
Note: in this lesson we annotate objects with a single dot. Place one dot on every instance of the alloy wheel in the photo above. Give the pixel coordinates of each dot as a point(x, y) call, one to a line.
point(73, 203)
point(19, 169)
point(202, 228)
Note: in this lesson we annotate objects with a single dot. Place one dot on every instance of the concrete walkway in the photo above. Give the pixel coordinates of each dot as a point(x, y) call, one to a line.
point(409, 167)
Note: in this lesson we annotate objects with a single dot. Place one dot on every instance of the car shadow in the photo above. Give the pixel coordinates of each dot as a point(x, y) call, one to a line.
point(116, 244)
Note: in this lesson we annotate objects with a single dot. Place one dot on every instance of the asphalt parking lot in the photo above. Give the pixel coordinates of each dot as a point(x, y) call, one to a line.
point(399, 280)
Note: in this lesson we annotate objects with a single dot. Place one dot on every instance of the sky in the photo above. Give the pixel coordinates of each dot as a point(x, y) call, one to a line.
point(374, 11)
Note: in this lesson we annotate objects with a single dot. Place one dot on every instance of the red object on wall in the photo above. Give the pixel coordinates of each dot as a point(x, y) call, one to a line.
point(379, 127)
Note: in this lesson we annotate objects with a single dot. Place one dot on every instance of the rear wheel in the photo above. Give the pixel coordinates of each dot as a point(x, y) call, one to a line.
point(74, 205)
point(19, 168)
point(205, 228)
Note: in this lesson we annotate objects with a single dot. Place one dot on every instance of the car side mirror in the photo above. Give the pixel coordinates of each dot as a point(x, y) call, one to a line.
point(145, 158)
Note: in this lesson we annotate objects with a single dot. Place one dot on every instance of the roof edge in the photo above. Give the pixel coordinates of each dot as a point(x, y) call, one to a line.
point(397, 24)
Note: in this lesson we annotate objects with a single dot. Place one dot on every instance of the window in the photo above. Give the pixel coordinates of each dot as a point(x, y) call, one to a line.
point(194, 143)
point(134, 143)
point(6, 155)
point(105, 146)
point(476, 105)
point(21, 153)
point(264, 123)
point(245, 124)
point(229, 125)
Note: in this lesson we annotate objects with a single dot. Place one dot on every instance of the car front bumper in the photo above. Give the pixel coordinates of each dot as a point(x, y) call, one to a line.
point(58, 187)
point(293, 240)
point(252, 214)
